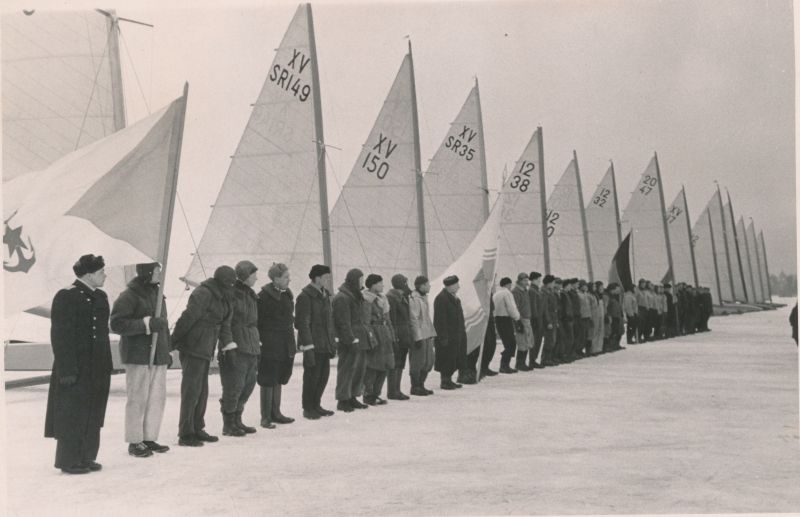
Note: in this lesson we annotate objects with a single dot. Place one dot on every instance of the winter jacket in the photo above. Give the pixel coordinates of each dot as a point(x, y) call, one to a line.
point(550, 308)
point(136, 303)
point(244, 324)
point(630, 304)
point(504, 304)
point(584, 304)
point(537, 304)
point(400, 316)
point(523, 302)
point(420, 317)
point(382, 355)
point(313, 319)
point(205, 321)
point(348, 319)
point(276, 323)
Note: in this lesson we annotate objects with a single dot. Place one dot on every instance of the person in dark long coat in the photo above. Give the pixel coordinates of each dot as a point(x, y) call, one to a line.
point(133, 317)
point(276, 328)
point(401, 321)
point(793, 323)
point(316, 339)
point(451, 333)
point(238, 361)
point(79, 384)
point(205, 321)
point(537, 317)
point(354, 340)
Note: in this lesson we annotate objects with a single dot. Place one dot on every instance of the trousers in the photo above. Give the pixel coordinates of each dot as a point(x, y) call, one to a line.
point(194, 394)
point(421, 359)
point(350, 372)
point(237, 373)
point(315, 379)
point(505, 328)
point(146, 389)
point(73, 452)
point(373, 382)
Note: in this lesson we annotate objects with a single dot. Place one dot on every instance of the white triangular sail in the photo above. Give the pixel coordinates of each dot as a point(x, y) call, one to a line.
point(643, 217)
point(375, 223)
point(602, 216)
point(522, 246)
point(708, 268)
point(744, 252)
point(62, 86)
point(680, 240)
point(752, 254)
point(456, 196)
point(476, 270)
point(565, 226)
point(733, 253)
point(268, 208)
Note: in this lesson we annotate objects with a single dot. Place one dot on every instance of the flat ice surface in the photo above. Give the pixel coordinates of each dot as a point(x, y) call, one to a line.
point(704, 423)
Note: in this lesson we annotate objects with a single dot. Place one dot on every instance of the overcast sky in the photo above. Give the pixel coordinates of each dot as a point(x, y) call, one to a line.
point(707, 84)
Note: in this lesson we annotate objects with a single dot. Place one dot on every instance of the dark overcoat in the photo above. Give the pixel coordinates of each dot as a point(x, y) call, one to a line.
point(276, 323)
point(205, 321)
point(81, 348)
point(127, 319)
point(451, 333)
point(349, 319)
point(313, 319)
point(400, 316)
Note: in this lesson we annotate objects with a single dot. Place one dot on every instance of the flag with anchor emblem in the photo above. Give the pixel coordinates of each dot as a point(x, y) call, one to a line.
point(110, 198)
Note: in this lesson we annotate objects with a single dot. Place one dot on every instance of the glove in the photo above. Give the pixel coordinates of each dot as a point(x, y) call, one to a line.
point(309, 361)
point(68, 380)
point(158, 324)
point(417, 344)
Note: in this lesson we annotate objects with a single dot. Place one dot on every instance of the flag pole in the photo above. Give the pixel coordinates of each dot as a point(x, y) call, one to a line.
point(169, 208)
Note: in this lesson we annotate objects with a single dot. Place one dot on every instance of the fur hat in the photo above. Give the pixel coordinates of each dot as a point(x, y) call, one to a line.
point(420, 280)
point(372, 279)
point(450, 280)
point(88, 264)
point(244, 269)
point(225, 275)
point(318, 270)
point(144, 272)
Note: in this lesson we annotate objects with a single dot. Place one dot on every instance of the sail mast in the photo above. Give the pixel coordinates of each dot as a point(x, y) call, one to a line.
point(749, 262)
point(766, 264)
point(736, 242)
point(322, 178)
point(758, 262)
point(423, 242)
point(725, 242)
point(664, 218)
point(714, 252)
point(583, 218)
point(543, 202)
point(691, 242)
point(169, 208)
point(118, 100)
point(616, 204)
point(482, 143)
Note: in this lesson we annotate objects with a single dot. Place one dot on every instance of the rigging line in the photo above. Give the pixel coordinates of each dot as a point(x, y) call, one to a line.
point(91, 54)
point(91, 94)
point(135, 73)
point(347, 207)
point(315, 181)
point(191, 235)
point(439, 222)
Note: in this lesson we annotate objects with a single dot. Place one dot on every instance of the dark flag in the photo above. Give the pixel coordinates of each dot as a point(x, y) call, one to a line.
point(620, 271)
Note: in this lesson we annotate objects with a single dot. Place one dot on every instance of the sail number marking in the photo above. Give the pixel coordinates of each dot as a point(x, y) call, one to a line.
point(648, 183)
point(674, 213)
point(461, 145)
point(288, 77)
point(552, 217)
point(522, 179)
point(602, 197)
point(377, 159)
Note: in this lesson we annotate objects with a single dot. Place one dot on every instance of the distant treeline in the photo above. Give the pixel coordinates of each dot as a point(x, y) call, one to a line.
point(783, 285)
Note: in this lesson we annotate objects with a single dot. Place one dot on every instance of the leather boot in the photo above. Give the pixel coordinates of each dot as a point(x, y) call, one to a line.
point(246, 428)
point(391, 394)
point(395, 379)
point(521, 359)
point(277, 416)
point(229, 427)
point(422, 377)
point(416, 386)
point(266, 407)
point(446, 382)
